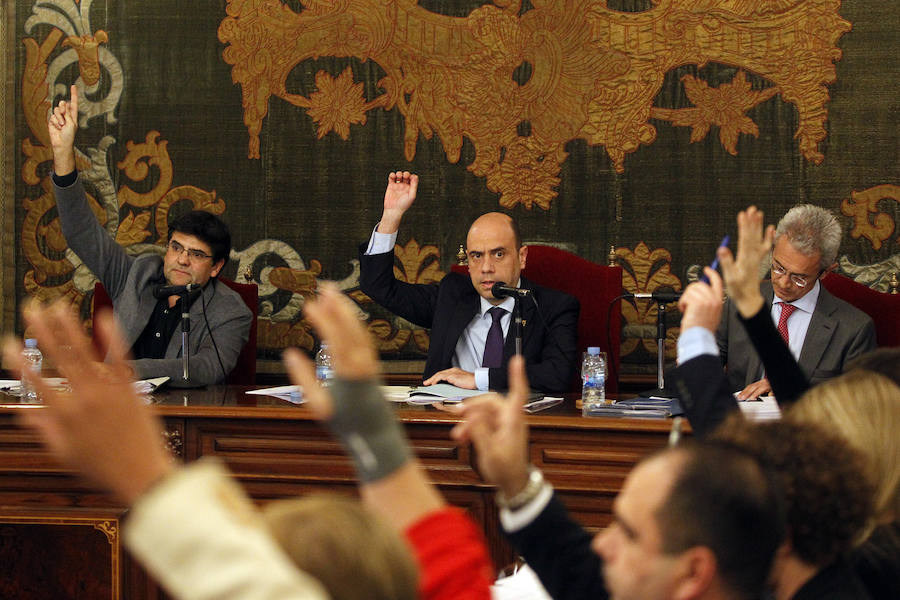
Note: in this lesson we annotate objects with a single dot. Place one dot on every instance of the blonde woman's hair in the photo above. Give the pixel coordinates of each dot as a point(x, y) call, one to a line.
point(353, 553)
point(864, 407)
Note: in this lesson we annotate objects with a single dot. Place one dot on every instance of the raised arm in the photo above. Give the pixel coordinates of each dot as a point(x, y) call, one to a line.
point(536, 522)
point(699, 380)
point(398, 197)
point(84, 234)
point(193, 528)
point(742, 277)
point(62, 127)
point(392, 481)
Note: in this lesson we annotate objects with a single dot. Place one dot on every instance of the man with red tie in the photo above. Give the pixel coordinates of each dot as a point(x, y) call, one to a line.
point(822, 332)
point(472, 333)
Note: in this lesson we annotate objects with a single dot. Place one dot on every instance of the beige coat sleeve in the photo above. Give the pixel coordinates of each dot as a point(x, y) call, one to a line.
point(201, 537)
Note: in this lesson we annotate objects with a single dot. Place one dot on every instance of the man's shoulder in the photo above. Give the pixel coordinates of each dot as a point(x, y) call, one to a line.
point(841, 309)
point(146, 267)
point(230, 298)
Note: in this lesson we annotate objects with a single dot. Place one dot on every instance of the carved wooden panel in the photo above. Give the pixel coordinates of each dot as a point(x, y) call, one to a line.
point(279, 452)
point(46, 556)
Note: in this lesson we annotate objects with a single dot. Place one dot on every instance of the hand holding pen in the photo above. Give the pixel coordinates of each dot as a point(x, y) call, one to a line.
point(715, 263)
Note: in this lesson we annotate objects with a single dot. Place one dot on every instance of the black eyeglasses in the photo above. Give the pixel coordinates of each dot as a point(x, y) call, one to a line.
point(193, 253)
point(796, 278)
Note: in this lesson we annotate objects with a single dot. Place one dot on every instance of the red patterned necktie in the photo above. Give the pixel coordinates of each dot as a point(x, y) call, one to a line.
point(786, 311)
point(493, 346)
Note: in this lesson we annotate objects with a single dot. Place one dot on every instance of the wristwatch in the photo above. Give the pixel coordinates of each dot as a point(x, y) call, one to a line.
point(527, 494)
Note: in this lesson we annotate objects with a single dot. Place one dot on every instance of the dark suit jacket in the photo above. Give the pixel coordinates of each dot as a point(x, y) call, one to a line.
point(838, 333)
point(559, 550)
point(705, 392)
point(834, 582)
point(549, 337)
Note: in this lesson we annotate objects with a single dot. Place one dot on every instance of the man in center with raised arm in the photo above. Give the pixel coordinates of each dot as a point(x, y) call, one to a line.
point(472, 332)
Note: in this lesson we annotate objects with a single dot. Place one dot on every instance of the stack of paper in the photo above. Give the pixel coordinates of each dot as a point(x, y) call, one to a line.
point(291, 393)
point(440, 392)
point(764, 409)
point(148, 386)
point(395, 393)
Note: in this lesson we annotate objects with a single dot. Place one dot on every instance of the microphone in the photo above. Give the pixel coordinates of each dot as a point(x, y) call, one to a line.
point(164, 291)
point(501, 290)
point(663, 296)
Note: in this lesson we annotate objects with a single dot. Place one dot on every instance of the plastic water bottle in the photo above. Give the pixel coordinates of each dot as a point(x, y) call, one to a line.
point(33, 362)
point(593, 380)
point(324, 366)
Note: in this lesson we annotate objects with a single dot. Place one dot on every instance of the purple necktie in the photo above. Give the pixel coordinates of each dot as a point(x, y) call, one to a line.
point(493, 346)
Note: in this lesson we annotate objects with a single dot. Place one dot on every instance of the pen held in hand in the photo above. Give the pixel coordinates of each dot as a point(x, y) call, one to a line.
point(715, 263)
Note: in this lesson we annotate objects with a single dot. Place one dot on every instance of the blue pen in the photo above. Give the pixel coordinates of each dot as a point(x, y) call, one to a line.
point(715, 263)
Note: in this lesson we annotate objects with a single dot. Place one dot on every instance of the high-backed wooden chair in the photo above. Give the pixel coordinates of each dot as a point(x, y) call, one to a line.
point(244, 372)
point(883, 308)
point(595, 286)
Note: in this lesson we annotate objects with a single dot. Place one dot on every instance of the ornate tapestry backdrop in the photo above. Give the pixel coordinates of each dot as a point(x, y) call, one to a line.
point(635, 125)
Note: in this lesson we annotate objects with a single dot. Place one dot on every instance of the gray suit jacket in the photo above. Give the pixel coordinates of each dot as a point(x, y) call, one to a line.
point(130, 282)
point(838, 333)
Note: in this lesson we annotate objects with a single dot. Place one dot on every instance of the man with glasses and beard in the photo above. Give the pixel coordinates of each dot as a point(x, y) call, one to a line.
point(146, 289)
point(823, 333)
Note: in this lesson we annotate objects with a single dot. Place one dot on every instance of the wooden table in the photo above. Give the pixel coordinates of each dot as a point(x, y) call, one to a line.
point(58, 535)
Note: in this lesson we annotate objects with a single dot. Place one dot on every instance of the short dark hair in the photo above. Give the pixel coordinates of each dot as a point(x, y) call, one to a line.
point(207, 227)
point(725, 500)
point(828, 495)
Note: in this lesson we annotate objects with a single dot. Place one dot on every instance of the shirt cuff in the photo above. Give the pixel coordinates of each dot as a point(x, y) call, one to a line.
point(695, 341)
point(514, 520)
point(381, 243)
point(65, 180)
point(482, 379)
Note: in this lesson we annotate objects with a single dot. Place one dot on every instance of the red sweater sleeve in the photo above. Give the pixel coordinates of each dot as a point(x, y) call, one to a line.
point(452, 557)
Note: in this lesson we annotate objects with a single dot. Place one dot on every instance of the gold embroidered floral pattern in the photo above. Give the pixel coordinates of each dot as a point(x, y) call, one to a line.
point(520, 86)
point(414, 264)
point(645, 271)
point(868, 221)
point(338, 103)
point(131, 217)
point(724, 106)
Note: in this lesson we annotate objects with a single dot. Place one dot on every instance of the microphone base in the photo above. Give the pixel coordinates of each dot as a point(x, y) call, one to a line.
point(658, 393)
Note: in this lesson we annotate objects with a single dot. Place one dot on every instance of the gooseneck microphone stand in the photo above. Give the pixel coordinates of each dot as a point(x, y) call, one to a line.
point(501, 290)
point(185, 332)
point(517, 315)
point(661, 298)
point(183, 292)
point(660, 391)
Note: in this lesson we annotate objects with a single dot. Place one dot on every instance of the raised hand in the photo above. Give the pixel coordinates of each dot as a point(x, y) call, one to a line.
point(334, 316)
point(743, 273)
point(102, 428)
point(62, 127)
point(398, 197)
point(496, 426)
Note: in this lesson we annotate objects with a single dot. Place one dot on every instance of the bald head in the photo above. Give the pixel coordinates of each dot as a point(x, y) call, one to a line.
point(497, 221)
point(495, 252)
